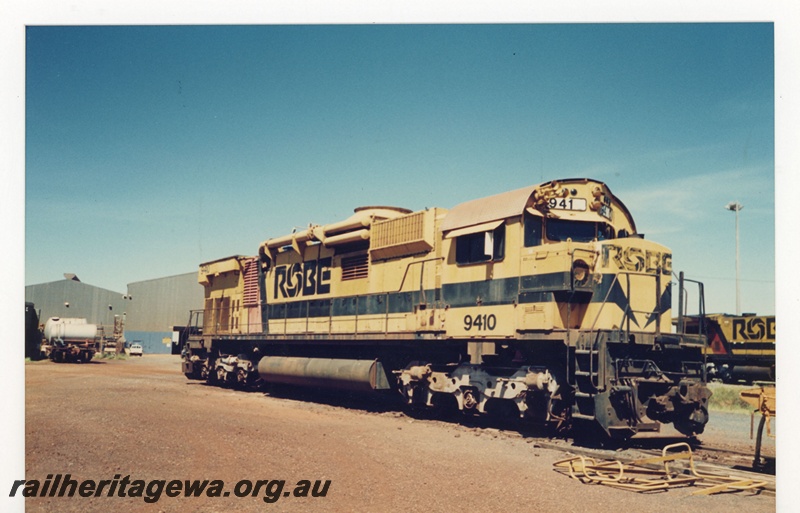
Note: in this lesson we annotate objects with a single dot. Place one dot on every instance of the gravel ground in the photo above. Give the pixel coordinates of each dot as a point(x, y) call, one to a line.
point(141, 418)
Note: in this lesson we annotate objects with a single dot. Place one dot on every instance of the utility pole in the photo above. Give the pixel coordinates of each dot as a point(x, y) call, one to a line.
point(735, 207)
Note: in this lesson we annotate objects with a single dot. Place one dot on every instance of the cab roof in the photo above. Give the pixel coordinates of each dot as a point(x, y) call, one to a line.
point(514, 203)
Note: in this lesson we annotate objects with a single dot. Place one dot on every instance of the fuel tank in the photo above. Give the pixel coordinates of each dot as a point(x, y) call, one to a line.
point(356, 375)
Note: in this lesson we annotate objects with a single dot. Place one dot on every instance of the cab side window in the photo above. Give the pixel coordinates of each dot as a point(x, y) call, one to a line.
point(533, 230)
point(482, 246)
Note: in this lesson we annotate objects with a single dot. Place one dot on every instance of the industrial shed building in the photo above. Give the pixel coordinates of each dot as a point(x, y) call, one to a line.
point(151, 308)
point(72, 298)
point(159, 305)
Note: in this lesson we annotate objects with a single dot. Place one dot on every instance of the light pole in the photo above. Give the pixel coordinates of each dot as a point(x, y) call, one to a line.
point(735, 207)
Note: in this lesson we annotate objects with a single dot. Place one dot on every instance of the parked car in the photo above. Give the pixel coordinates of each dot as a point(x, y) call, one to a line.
point(136, 350)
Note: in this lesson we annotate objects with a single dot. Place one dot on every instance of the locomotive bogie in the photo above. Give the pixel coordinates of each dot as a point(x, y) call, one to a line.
point(474, 387)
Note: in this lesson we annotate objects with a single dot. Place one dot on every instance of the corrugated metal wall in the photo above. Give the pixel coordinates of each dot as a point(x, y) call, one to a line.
point(158, 305)
point(85, 301)
point(152, 342)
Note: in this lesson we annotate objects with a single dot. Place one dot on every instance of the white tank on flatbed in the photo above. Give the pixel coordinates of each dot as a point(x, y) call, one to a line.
point(68, 329)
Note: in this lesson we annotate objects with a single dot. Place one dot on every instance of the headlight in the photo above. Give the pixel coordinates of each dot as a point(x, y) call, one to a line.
point(580, 273)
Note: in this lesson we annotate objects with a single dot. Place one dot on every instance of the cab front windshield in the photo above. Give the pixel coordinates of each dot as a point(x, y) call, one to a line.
point(558, 230)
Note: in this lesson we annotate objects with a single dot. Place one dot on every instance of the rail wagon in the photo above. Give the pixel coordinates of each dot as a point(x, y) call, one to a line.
point(69, 340)
point(543, 301)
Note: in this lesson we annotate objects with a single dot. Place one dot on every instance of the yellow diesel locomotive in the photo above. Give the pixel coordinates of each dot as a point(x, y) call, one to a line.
point(542, 301)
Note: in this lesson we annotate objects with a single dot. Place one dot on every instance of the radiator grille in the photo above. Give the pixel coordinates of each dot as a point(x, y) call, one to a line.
point(250, 283)
point(407, 235)
point(355, 267)
point(398, 231)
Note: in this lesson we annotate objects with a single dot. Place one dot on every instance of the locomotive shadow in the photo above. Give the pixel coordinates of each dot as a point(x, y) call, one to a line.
point(498, 421)
point(365, 402)
point(393, 402)
point(362, 401)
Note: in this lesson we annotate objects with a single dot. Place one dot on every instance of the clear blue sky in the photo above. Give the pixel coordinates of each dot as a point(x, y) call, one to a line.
point(152, 149)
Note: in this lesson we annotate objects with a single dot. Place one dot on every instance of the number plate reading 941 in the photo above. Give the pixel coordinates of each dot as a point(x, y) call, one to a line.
point(567, 204)
point(576, 204)
point(480, 322)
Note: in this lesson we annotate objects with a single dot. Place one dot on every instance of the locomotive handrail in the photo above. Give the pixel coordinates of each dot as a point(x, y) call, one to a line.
point(408, 266)
point(194, 318)
point(626, 315)
point(603, 304)
point(593, 253)
point(594, 323)
point(628, 310)
point(683, 300)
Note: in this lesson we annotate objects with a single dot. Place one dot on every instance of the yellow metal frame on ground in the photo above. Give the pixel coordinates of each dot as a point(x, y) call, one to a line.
point(641, 476)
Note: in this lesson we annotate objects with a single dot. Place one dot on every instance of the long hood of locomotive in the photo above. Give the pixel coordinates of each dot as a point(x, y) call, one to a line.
point(605, 285)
